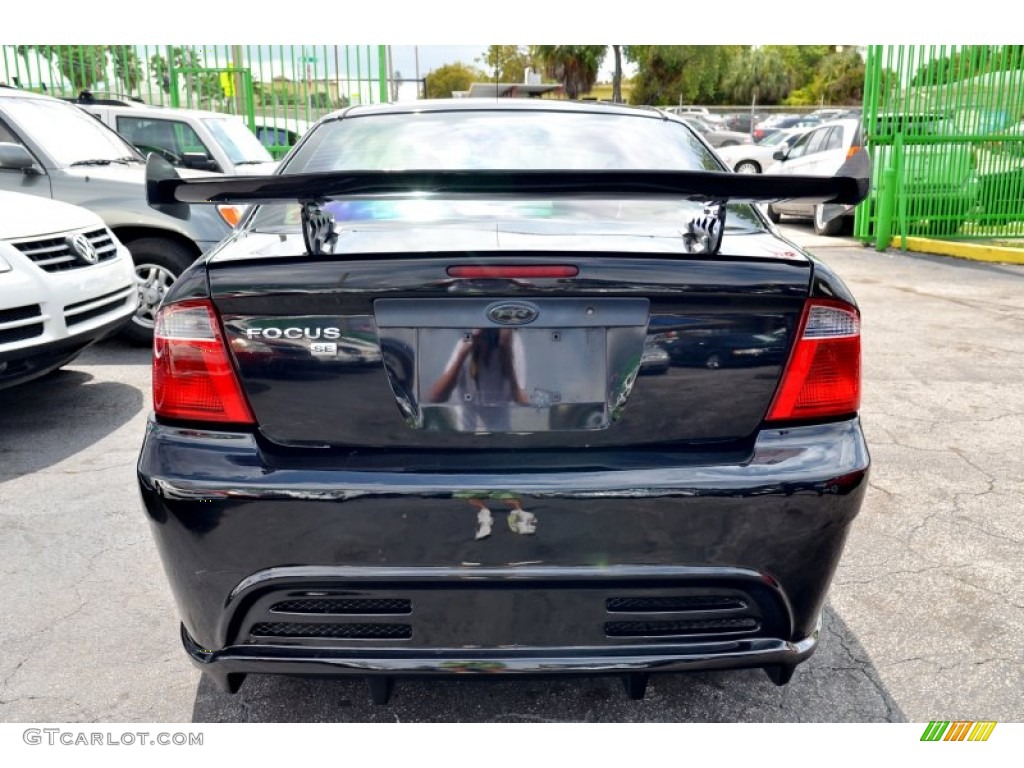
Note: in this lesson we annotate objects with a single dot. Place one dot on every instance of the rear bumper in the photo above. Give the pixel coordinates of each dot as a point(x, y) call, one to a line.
point(742, 551)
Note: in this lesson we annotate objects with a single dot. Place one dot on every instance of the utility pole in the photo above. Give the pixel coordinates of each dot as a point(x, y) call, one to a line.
point(416, 51)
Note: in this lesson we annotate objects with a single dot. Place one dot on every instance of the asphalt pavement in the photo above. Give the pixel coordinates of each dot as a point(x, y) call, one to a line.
point(925, 619)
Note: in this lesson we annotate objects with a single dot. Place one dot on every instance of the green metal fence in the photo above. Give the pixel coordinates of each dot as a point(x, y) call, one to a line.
point(945, 130)
point(279, 89)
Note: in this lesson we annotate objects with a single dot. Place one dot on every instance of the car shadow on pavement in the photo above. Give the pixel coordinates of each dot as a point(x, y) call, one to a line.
point(45, 421)
point(837, 684)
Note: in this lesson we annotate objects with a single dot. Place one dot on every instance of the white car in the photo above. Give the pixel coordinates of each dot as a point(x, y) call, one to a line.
point(65, 282)
point(758, 158)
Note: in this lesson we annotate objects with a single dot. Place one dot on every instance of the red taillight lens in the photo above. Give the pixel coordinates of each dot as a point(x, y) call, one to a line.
point(823, 375)
point(192, 374)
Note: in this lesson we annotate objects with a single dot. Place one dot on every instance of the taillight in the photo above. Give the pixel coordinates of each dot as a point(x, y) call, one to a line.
point(823, 375)
point(853, 150)
point(192, 374)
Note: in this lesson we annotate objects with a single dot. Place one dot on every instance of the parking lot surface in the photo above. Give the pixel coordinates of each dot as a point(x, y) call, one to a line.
point(925, 619)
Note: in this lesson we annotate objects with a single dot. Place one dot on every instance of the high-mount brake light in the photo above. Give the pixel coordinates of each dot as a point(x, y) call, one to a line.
point(822, 378)
point(514, 271)
point(192, 374)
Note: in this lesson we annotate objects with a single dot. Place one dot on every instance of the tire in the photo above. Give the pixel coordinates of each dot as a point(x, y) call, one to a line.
point(830, 229)
point(773, 216)
point(158, 263)
point(747, 166)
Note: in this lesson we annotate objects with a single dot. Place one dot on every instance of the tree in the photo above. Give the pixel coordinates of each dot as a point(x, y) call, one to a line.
point(205, 85)
point(758, 76)
point(675, 74)
point(838, 79)
point(81, 65)
point(617, 75)
point(452, 77)
point(508, 63)
point(127, 67)
point(574, 66)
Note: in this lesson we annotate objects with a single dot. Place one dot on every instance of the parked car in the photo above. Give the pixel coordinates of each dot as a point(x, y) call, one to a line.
point(940, 180)
point(715, 136)
point(53, 149)
point(498, 489)
point(65, 283)
point(757, 158)
point(279, 134)
point(188, 138)
point(783, 123)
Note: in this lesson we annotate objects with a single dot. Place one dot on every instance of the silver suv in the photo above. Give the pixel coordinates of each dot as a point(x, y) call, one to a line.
point(53, 149)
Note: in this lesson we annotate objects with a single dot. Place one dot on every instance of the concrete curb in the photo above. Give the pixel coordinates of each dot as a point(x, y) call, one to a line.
point(961, 250)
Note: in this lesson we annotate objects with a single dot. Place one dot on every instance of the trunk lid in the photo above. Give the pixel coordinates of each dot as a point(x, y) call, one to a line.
point(374, 347)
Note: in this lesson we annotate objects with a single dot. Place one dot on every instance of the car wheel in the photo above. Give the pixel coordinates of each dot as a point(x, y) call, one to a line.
point(747, 166)
point(821, 227)
point(713, 361)
point(773, 216)
point(158, 263)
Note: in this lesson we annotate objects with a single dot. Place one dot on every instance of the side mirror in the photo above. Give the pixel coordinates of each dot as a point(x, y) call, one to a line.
point(16, 157)
point(779, 154)
point(199, 161)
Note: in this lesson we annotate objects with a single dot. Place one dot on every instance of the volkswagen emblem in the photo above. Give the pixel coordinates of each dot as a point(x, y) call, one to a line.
point(86, 250)
point(512, 313)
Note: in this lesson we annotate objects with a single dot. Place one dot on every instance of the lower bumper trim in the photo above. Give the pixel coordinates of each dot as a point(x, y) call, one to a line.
point(326, 662)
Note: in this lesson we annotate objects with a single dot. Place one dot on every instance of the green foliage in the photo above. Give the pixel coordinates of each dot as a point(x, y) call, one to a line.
point(969, 61)
point(838, 79)
point(758, 76)
point(127, 67)
point(574, 66)
point(198, 86)
point(674, 74)
point(82, 65)
point(508, 63)
point(452, 77)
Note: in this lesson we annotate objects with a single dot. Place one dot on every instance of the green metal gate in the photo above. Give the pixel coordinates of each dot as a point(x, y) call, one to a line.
point(945, 130)
point(279, 90)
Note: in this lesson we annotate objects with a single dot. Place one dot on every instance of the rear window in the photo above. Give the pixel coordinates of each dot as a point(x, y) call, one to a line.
point(496, 140)
point(489, 140)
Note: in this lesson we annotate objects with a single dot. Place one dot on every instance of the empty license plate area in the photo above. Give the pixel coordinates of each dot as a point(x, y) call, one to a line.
point(485, 366)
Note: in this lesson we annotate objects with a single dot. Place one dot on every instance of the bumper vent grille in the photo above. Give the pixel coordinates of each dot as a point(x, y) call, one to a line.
point(20, 313)
point(55, 254)
point(82, 311)
point(21, 333)
point(341, 631)
point(347, 606)
point(672, 604)
point(680, 628)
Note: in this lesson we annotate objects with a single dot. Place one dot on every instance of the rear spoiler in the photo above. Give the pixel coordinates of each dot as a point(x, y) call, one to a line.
point(168, 192)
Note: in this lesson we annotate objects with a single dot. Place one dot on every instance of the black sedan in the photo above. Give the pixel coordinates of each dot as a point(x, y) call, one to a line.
point(495, 488)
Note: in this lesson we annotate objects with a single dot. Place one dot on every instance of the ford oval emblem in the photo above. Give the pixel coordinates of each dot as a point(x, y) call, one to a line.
point(512, 313)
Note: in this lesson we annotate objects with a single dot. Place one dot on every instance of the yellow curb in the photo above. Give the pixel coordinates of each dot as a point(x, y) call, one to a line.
point(973, 251)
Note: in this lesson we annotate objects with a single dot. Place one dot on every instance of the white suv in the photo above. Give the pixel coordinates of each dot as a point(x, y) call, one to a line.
point(188, 138)
point(65, 282)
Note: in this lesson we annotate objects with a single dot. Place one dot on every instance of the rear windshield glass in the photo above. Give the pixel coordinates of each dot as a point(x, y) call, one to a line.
point(494, 140)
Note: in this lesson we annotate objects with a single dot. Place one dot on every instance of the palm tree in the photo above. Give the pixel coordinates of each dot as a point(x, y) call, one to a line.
point(758, 74)
point(574, 66)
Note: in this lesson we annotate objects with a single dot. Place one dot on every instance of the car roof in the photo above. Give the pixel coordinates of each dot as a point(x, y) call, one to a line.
point(498, 105)
point(153, 110)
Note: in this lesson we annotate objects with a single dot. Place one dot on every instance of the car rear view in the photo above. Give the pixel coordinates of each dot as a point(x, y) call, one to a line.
point(412, 434)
